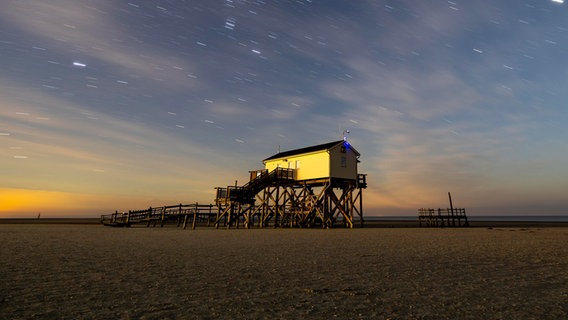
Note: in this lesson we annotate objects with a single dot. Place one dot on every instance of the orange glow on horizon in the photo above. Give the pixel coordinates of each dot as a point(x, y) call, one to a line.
point(22, 200)
point(25, 203)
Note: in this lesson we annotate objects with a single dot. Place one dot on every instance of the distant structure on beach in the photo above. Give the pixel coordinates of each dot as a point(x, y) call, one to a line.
point(447, 217)
point(317, 185)
point(308, 187)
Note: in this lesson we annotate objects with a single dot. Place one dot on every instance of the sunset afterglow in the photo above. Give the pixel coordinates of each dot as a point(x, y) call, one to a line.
point(112, 105)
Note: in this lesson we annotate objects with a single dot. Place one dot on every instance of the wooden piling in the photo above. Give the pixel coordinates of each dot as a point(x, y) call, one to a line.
point(195, 212)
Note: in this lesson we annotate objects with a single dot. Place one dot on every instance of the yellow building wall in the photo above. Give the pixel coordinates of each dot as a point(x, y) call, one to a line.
point(308, 166)
point(345, 168)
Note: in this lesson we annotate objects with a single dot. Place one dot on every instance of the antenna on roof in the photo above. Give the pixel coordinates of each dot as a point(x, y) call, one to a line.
point(345, 133)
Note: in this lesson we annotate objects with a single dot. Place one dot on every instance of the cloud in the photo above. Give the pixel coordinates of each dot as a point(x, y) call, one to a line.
point(166, 100)
point(73, 150)
point(101, 40)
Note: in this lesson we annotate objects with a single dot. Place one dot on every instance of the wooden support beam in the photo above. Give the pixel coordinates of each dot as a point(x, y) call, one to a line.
point(149, 216)
point(342, 205)
point(220, 215)
point(194, 222)
point(185, 216)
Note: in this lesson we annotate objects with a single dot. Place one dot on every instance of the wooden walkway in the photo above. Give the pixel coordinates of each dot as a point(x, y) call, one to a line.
point(269, 198)
point(448, 217)
point(182, 215)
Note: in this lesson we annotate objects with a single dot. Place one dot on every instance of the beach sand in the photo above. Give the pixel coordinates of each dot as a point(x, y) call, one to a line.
point(62, 271)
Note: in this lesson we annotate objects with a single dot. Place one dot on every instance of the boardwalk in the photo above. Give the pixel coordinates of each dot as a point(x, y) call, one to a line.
point(181, 214)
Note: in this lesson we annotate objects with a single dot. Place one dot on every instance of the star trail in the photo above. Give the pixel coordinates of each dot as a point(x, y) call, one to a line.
point(113, 105)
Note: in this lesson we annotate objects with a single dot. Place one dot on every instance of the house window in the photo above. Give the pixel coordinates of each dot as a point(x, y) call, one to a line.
point(344, 162)
point(297, 164)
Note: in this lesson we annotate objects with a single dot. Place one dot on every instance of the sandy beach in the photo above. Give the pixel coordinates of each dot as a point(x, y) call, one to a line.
point(82, 271)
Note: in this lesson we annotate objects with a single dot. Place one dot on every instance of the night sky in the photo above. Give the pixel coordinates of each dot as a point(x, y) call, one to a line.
point(115, 105)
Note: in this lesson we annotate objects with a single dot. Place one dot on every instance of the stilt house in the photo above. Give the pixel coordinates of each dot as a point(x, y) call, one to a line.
point(317, 185)
point(308, 187)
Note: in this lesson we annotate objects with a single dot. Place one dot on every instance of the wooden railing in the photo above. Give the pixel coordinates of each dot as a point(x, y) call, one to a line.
point(442, 217)
point(259, 180)
point(182, 214)
point(361, 180)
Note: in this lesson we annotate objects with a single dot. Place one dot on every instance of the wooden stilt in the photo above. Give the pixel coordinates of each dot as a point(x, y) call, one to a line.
point(194, 222)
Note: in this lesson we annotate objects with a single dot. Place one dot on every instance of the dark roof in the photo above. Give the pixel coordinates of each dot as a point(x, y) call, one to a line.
point(319, 147)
